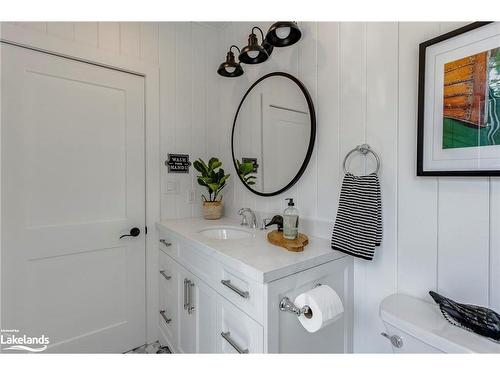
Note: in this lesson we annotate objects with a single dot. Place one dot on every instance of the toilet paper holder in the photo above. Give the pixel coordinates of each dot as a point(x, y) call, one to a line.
point(286, 304)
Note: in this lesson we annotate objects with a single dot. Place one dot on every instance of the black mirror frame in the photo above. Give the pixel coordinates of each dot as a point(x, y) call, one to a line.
point(312, 138)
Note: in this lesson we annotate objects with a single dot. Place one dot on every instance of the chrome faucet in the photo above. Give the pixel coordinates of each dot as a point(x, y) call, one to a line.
point(242, 212)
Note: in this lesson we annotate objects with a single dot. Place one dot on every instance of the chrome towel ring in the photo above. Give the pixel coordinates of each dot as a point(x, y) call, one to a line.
point(364, 149)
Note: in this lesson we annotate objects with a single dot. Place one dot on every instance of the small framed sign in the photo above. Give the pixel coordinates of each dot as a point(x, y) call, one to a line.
point(178, 163)
point(253, 161)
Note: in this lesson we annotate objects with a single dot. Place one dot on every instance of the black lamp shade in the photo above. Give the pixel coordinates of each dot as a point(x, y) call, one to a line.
point(253, 53)
point(283, 34)
point(267, 47)
point(230, 68)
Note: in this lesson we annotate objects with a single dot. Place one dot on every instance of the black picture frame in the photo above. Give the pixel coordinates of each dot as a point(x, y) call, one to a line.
point(312, 137)
point(421, 105)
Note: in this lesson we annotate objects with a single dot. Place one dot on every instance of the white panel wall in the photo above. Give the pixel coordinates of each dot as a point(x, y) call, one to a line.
point(188, 107)
point(439, 233)
point(187, 56)
point(138, 40)
point(417, 197)
point(353, 106)
point(448, 237)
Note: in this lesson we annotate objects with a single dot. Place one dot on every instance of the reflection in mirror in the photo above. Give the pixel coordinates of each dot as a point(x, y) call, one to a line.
point(273, 134)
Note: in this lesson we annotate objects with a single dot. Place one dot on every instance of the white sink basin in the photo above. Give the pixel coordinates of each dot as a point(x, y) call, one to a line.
point(226, 233)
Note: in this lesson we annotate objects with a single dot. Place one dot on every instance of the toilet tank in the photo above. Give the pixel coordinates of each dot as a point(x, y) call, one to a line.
point(423, 329)
point(410, 344)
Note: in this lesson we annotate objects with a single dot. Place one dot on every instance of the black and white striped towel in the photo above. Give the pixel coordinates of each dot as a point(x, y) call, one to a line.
point(358, 227)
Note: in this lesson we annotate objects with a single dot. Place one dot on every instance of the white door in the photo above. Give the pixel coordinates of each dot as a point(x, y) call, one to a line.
point(286, 131)
point(73, 181)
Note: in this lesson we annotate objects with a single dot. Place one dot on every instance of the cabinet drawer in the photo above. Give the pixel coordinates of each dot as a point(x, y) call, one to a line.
point(168, 273)
point(203, 266)
point(236, 331)
point(167, 315)
point(168, 245)
point(244, 293)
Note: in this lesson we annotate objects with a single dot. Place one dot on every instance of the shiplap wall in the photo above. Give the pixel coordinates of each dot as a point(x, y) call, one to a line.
point(439, 233)
point(138, 40)
point(448, 227)
point(186, 54)
point(189, 107)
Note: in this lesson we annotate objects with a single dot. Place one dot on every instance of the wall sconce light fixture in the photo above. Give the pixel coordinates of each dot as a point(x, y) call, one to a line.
point(254, 53)
point(230, 68)
point(283, 34)
point(280, 34)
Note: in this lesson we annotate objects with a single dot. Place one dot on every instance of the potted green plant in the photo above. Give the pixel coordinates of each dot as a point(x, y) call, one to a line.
point(245, 170)
point(214, 179)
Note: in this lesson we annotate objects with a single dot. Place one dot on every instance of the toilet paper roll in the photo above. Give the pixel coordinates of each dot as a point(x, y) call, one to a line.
point(325, 307)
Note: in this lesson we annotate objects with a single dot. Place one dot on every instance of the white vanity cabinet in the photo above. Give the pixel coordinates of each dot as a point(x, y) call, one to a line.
point(187, 308)
point(224, 297)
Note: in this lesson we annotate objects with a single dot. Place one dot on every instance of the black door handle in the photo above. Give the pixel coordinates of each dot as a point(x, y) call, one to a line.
point(134, 232)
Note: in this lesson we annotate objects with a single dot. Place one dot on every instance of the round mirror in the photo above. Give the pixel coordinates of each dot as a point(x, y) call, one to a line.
point(273, 134)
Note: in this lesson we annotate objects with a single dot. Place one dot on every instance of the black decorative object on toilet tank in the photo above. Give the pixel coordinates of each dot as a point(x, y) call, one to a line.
point(480, 320)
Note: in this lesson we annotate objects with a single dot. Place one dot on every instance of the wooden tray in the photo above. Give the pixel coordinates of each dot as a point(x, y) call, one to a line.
point(297, 245)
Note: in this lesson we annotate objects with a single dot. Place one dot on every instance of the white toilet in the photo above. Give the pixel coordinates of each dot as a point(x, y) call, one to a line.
point(416, 326)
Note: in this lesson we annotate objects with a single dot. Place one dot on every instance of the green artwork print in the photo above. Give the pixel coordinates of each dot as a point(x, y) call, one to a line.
point(471, 110)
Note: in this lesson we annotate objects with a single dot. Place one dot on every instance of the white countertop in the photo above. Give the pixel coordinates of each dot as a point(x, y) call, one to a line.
point(254, 256)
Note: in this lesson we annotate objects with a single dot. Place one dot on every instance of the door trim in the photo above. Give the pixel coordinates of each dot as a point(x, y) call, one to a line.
point(11, 34)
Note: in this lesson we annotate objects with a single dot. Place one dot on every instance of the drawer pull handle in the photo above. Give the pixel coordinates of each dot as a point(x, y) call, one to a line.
point(241, 293)
point(190, 307)
point(227, 337)
point(167, 244)
point(167, 320)
point(395, 340)
point(186, 300)
point(167, 277)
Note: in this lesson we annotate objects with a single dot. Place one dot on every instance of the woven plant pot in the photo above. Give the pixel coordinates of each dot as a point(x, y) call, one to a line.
point(212, 210)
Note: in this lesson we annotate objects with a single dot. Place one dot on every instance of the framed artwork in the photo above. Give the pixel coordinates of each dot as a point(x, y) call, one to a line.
point(459, 103)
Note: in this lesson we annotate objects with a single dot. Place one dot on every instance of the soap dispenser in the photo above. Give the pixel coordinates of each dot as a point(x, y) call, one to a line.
point(290, 221)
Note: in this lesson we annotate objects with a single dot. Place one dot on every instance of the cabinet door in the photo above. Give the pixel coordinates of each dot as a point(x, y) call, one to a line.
point(197, 315)
point(186, 312)
point(285, 333)
point(205, 308)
